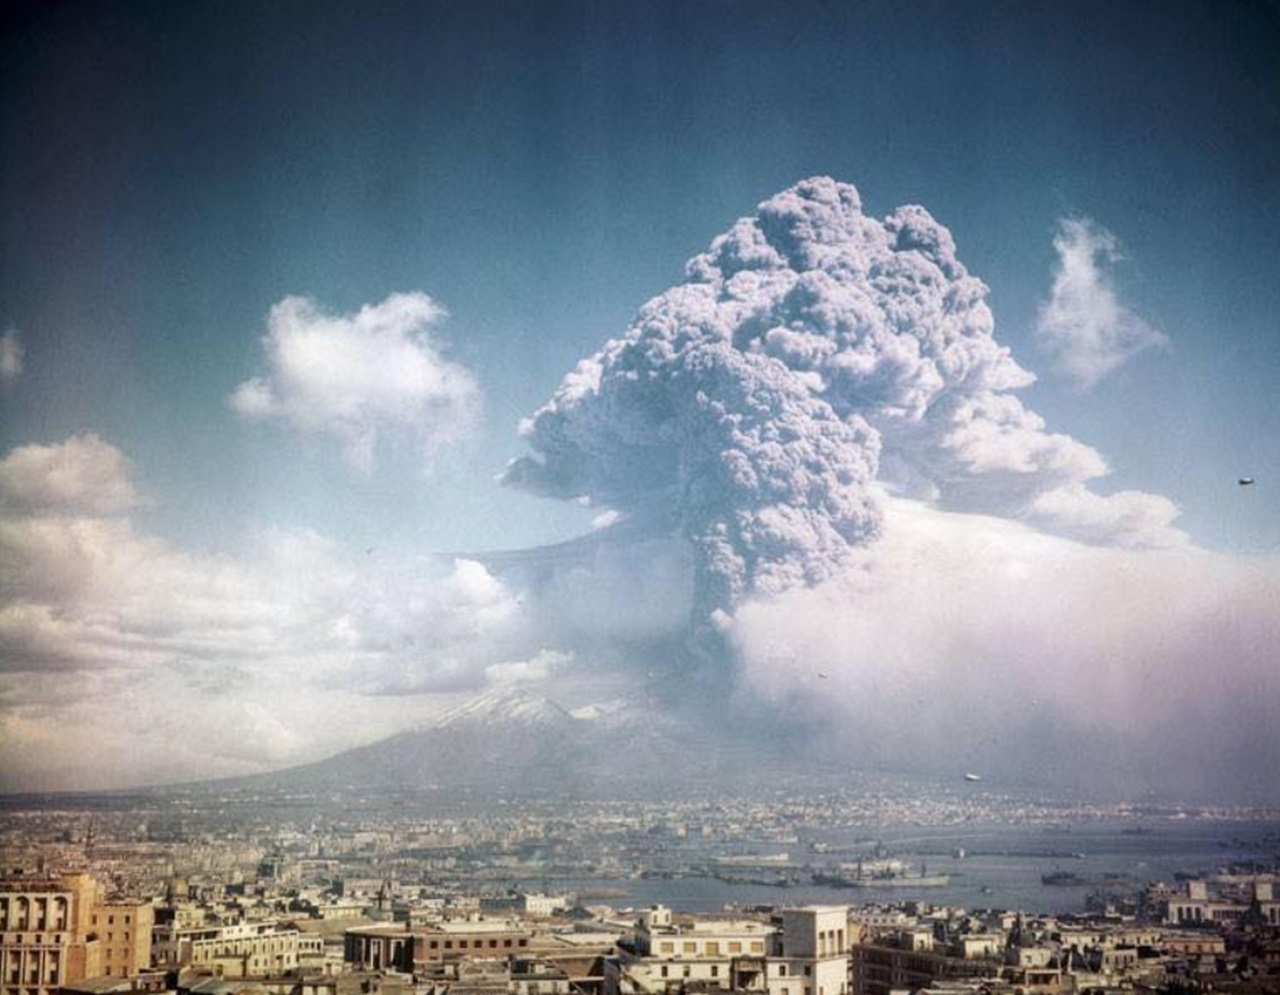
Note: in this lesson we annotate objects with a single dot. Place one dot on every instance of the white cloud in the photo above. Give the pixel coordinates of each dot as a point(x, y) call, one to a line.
point(364, 379)
point(287, 651)
point(1083, 327)
point(981, 643)
point(11, 354)
point(1132, 519)
point(82, 475)
point(539, 668)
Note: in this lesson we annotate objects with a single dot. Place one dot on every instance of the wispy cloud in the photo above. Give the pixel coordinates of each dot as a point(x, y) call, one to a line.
point(365, 378)
point(11, 354)
point(1083, 327)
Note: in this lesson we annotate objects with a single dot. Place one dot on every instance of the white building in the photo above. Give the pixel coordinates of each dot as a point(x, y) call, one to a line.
point(803, 952)
point(239, 950)
point(537, 904)
point(811, 952)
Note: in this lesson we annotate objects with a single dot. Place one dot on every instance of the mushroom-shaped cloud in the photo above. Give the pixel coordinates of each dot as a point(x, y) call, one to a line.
point(811, 350)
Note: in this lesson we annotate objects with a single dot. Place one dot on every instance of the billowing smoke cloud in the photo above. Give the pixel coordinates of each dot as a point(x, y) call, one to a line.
point(811, 351)
point(1083, 327)
point(976, 643)
point(362, 378)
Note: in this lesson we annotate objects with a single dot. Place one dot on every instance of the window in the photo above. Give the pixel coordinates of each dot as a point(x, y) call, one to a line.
point(689, 947)
point(666, 947)
point(713, 948)
point(735, 947)
point(757, 947)
point(664, 970)
point(715, 970)
point(808, 970)
point(782, 970)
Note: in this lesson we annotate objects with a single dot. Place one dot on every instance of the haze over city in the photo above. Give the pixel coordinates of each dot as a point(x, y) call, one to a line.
point(891, 384)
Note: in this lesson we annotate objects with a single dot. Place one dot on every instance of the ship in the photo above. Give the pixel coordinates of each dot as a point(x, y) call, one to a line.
point(884, 874)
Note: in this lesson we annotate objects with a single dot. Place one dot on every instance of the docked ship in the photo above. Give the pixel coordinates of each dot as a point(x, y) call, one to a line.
point(1062, 879)
point(883, 874)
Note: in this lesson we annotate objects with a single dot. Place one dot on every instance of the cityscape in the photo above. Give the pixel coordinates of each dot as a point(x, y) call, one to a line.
point(639, 497)
point(225, 889)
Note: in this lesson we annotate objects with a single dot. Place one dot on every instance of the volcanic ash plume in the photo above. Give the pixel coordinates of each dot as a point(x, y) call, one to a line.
point(811, 350)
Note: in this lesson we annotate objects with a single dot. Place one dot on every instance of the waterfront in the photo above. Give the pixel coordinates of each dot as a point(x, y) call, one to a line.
point(1001, 866)
point(695, 855)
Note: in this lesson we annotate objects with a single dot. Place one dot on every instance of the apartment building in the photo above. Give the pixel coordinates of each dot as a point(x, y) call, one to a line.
point(238, 950)
point(59, 930)
point(801, 952)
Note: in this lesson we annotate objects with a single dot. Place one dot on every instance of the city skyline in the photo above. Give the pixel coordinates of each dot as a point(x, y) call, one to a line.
point(283, 292)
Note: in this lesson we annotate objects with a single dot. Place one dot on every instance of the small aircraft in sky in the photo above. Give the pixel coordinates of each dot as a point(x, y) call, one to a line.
point(1245, 481)
point(973, 777)
point(823, 675)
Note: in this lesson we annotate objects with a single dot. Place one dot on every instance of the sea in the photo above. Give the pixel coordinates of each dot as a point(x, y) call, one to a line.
point(987, 867)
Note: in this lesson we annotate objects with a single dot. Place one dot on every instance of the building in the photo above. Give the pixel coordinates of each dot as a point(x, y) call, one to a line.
point(124, 933)
point(407, 949)
point(56, 931)
point(537, 904)
point(239, 950)
point(811, 952)
point(801, 952)
point(666, 955)
point(1200, 908)
point(881, 969)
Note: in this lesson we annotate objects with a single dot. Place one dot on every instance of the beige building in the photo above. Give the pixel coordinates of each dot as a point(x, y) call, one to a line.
point(803, 952)
point(1197, 909)
point(669, 955)
point(124, 935)
point(55, 931)
point(240, 950)
point(812, 952)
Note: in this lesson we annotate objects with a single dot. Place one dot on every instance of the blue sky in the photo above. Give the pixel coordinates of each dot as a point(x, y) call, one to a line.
point(173, 172)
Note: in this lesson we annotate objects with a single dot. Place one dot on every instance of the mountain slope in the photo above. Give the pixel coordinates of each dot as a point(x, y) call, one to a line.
point(515, 743)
